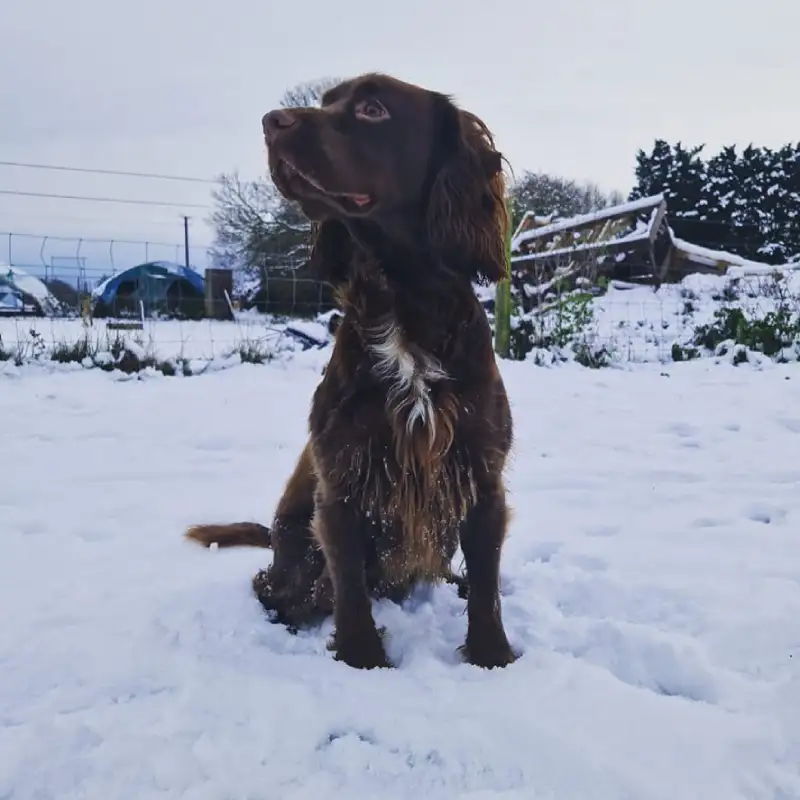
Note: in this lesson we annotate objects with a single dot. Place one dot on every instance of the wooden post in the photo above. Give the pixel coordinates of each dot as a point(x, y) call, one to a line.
point(502, 308)
point(218, 281)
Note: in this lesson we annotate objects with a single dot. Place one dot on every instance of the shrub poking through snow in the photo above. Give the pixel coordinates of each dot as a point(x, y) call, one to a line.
point(76, 352)
point(738, 327)
point(560, 328)
point(135, 351)
point(253, 351)
point(596, 324)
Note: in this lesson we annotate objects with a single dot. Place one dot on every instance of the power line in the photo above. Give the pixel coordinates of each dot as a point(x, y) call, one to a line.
point(151, 175)
point(94, 220)
point(101, 199)
point(90, 240)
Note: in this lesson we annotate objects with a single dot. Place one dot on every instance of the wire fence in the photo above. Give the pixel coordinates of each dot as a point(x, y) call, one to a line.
point(622, 323)
point(614, 320)
point(83, 262)
point(71, 268)
point(603, 320)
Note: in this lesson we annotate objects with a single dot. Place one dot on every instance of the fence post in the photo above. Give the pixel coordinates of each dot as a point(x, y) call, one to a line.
point(502, 307)
point(218, 282)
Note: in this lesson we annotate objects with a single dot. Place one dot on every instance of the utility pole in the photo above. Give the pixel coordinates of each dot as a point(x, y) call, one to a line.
point(186, 241)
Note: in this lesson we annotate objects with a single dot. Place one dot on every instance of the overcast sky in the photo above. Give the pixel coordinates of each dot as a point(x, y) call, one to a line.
point(572, 87)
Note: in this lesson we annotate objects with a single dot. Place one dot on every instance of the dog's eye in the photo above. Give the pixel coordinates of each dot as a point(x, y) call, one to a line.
point(371, 110)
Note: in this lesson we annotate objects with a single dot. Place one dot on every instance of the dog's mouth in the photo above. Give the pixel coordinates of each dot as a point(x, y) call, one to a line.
point(350, 202)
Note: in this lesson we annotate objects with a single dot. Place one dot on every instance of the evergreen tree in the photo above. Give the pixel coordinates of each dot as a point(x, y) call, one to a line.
point(652, 170)
point(790, 219)
point(719, 194)
point(747, 203)
point(781, 204)
point(750, 223)
point(686, 179)
point(675, 172)
point(680, 175)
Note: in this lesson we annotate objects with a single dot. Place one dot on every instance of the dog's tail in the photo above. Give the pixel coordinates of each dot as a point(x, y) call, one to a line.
point(237, 534)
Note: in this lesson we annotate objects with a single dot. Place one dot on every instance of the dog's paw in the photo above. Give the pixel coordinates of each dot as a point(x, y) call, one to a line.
point(362, 651)
point(488, 651)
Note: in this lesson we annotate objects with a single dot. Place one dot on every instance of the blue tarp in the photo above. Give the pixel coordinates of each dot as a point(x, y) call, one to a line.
point(151, 283)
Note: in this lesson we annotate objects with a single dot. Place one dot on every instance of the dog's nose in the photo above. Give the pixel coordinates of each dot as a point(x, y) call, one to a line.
point(277, 121)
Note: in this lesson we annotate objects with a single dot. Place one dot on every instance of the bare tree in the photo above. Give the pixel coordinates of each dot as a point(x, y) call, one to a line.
point(256, 229)
point(307, 94)
point(545, 194)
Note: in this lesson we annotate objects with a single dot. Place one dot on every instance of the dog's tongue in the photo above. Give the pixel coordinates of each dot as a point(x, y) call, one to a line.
point(361, 199)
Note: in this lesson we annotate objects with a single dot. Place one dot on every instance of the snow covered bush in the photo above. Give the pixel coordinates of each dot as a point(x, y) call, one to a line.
point(600, 323)
point(770, 326)
point(560, 328)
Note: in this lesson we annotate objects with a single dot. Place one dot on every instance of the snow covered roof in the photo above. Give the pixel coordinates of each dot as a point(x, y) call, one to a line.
point(610, 229)
point(9, 300)
point(30, 285)
point(719, 260)
point(621, 232)
point(153, 267)
point(532, 220)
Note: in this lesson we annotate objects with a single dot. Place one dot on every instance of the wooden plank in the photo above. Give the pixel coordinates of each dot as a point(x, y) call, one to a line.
point(655, 225)
point(124, 326)
point(219, 283)
point(624, 212)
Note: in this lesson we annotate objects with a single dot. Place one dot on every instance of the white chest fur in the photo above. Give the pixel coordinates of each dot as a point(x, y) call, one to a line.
point(409, 376)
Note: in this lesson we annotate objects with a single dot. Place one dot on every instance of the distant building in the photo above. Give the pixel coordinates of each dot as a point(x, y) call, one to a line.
point(23, 294)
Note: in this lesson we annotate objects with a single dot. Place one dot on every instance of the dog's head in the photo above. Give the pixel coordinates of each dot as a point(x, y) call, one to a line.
point(400, 157)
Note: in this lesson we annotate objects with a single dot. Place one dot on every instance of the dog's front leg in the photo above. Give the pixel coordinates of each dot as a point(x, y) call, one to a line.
point(482, 536)
point(341, 531)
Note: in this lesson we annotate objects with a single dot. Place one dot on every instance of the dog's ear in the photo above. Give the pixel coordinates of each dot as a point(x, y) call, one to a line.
point(331, 251)
point(467, 219)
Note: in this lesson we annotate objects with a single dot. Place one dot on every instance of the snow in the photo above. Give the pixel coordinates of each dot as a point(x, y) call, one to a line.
point(26, 282)
point(737, 265)
point(651, 578)
point(637, 324)
point(641, 231)
point(10, 302)
point(31, 285)
point(203, 341)
point(536, 220)
point(619, 210)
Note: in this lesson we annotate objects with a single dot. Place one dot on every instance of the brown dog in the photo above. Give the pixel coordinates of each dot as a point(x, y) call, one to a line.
point(410, 426)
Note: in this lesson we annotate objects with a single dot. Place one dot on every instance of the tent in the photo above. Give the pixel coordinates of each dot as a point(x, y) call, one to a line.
point(160, 286)
point(23, 293)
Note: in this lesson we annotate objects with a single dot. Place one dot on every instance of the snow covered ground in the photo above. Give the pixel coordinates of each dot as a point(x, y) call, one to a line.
point(199, 341)
point(651, 577)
